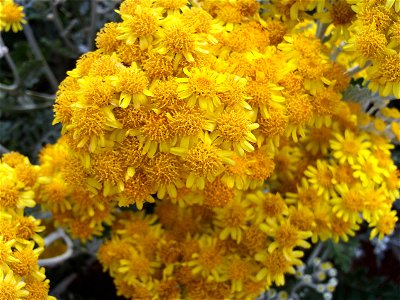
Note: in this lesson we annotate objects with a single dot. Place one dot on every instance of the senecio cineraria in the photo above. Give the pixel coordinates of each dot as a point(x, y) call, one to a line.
point(228, 115)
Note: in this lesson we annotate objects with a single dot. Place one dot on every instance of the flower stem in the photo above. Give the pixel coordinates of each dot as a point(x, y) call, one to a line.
point(39, 56)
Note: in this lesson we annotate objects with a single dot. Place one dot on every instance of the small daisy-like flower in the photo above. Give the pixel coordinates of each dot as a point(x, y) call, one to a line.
point(137, 266)
point(376, 203)
point(38, 289)
point(208, 261)
point(385, 75)
point(268, 206)
point(384, 225)
point(368, 170)
point(276, 264)
point(172, 6)
point(349, 203)
point(27, 261)
point(28, 228)
point(317, 139)
point(369, 42)
point(238, 270)
point(202, 86)
point(233, 219)
point(348, 146)
point(11, 16)
point(141, 25)
point(341, 229)
point(264, 96)
point(13, 194)
point(286, 236)
point(306, 196)
point(10, 287)
point(321, 178)
point(132, 83)
point(233, 131)
point(340, 14)
point(163, 170)
point(89, 125)
point(204, 161)
point(179, 40)
point(6, 253)
point(106, 39)
point(300, 112)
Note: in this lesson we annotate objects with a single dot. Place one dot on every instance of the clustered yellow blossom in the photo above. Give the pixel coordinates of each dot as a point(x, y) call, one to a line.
point(11, 16)
point(234, 244)
point(235, 121)
point(233, 124)
point(20, 242)
point(61, 190)
point(369, 30)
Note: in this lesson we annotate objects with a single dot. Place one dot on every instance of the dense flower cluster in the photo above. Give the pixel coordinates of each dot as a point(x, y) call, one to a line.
point(231, 119)
point(237, 124)
point(60, 190)
point(324, 186)
point(11, 16)
point(20, 242)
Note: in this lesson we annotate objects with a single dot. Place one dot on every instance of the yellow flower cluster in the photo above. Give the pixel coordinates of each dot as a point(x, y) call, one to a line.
point(11, 16)
point(235, 121)
point(61, 190)
point(370, 30)
point(323, 188)
point(199, 107)
point(20, 242)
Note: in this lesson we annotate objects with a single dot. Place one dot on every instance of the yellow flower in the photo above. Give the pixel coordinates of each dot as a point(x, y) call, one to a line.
point(137, 190)
point(28, 228)
point(10, 287)
point(286, 236)
point(385, 75)
point(108, 170)
point(132, 83)
point(140, 25)
point(137, 267)
point(369, 42)
point(268, 206)
point(179, 40)
point(13, 194)
point(349, 203)
point(233, 219)
point(341, 16)
point(27, 261)
point(368, 170)
point(38, 289)
point(233, 131)
point(276, 264)
point(6, 253)
point(164, 173)
point(201, 85)
point(384, 225)
point(306, 196)
point(348, 146)
point(106, 38)
point(172, 6)
point(264, 96)
point(208, 261)
point(89, 125)
point(11, 16)
point(321, 178)
point(204, 161)
point(341, 229)
point(300, 112)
